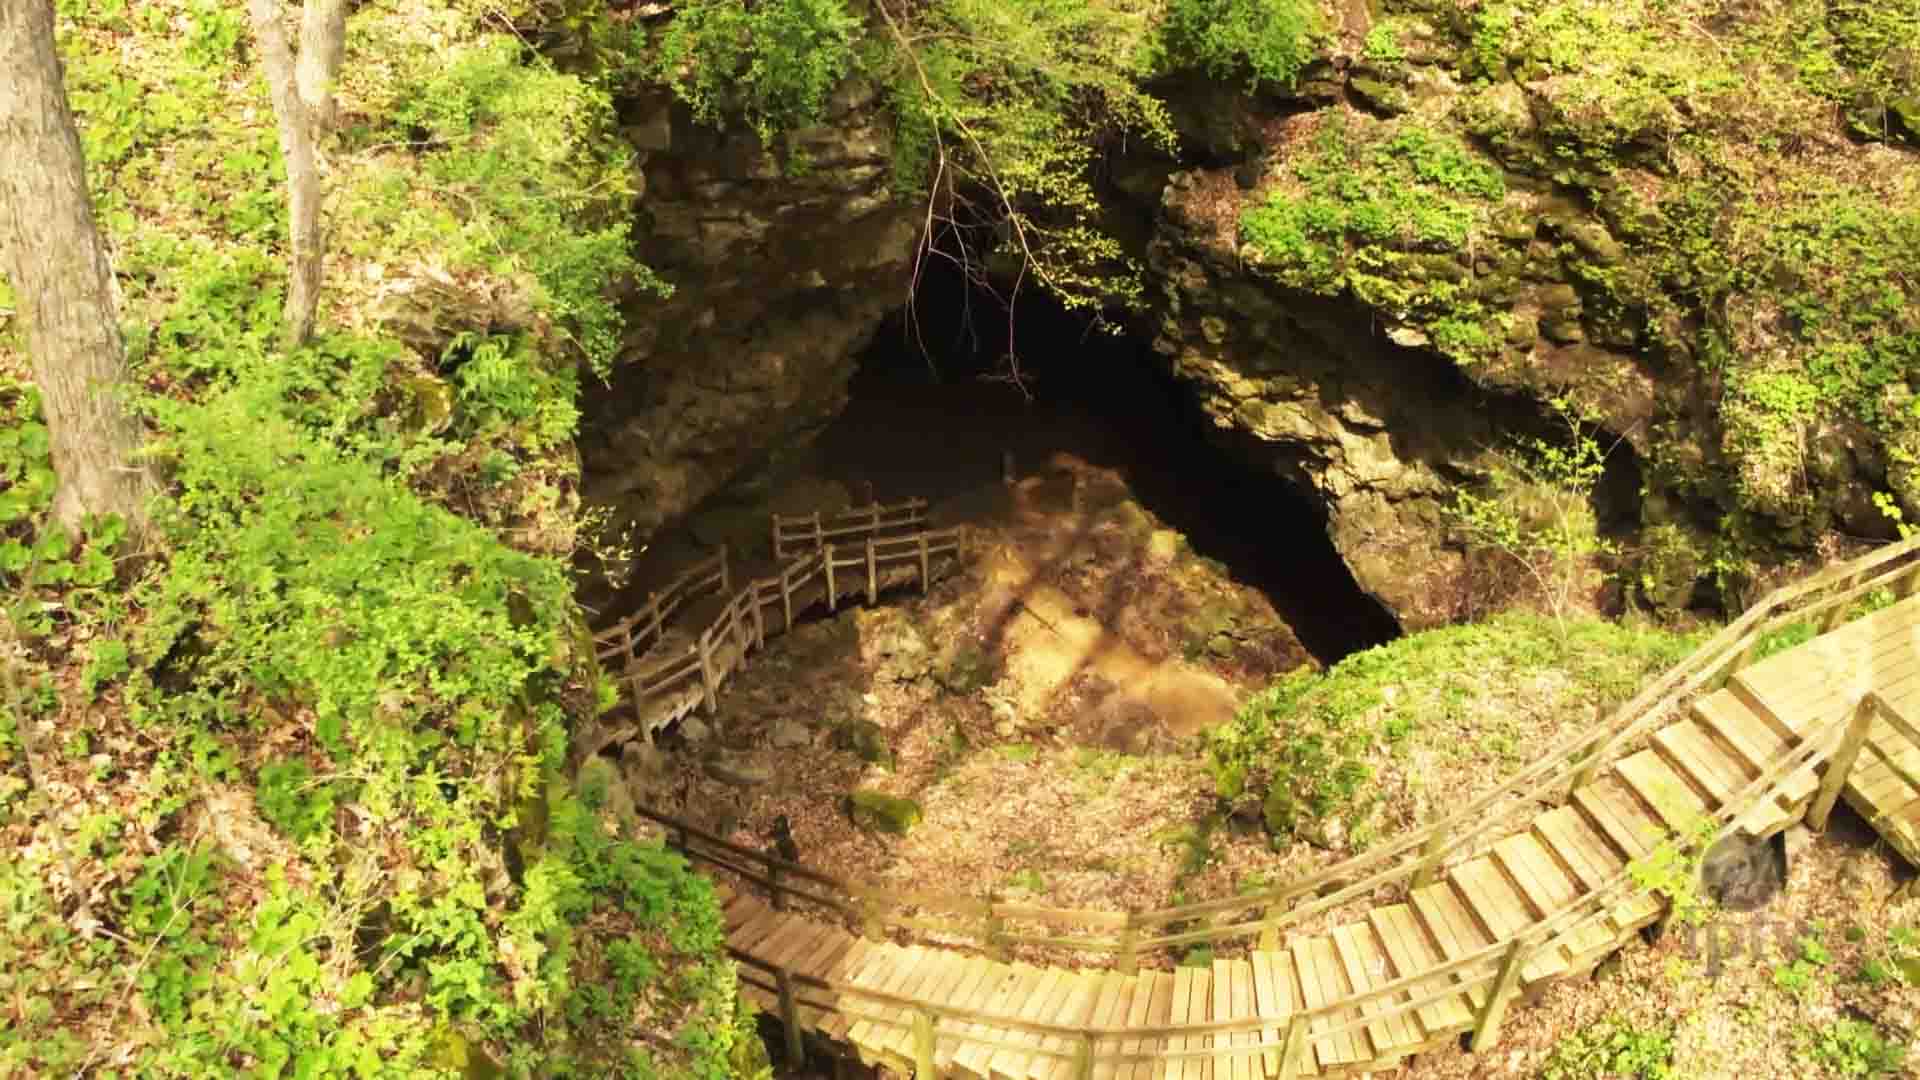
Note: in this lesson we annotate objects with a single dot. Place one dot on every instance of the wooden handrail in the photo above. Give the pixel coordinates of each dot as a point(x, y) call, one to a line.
point(1496, 965)
point(1555, 772)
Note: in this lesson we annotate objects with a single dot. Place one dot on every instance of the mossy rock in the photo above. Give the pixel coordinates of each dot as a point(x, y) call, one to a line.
point(427, 403)
point(865, 739)
point(888, 813)
point(968, 668)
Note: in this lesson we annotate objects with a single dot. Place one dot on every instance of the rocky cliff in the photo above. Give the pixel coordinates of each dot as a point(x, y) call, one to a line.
point(1691, 227)
point(783, 261)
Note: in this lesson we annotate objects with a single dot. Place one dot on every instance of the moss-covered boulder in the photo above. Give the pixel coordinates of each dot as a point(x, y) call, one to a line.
point(888, 813)
point(866, 740)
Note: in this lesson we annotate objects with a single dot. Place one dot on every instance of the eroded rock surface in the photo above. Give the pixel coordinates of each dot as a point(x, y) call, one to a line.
point(782, 263)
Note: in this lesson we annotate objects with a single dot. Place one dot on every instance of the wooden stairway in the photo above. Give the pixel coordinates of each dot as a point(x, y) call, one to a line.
point(993, 1019)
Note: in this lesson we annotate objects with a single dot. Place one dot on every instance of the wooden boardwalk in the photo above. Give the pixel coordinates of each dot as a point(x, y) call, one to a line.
point(1724, 746)
point(858, 552)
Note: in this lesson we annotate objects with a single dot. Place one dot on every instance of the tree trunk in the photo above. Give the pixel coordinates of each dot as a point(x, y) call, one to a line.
point(303, 106)
point(57, 263)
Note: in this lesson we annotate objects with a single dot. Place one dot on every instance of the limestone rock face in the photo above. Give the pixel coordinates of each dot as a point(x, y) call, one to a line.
point(1306, 387)
point(783, 262)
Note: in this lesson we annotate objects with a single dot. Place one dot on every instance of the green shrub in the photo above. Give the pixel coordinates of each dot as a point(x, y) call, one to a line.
point(774, 62)
point(1856, 1048)
point(1611, 1048)
point(1266, 41)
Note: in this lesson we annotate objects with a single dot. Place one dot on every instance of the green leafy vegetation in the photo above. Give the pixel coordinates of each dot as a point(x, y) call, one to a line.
point(1335, 746)
point(309, 741)
point(1385, 211)
point(1264, 41)
point(773, 62)
point(1612, 1047)
point(1537, 510)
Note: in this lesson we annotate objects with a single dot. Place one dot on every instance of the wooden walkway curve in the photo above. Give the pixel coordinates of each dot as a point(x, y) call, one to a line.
point(1461, 918)
point(861, 551)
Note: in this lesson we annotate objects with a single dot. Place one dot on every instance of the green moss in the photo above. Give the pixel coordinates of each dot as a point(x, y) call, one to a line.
point(888, 813)
point(1309, 748)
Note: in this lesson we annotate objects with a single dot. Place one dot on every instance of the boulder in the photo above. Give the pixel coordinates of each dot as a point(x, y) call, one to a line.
point(790, 734)
point(1741, 873)
point(738, 770)
point(878, 810)
point(866, 739)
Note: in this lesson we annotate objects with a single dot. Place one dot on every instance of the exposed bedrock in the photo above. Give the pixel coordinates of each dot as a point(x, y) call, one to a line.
point(782, 263)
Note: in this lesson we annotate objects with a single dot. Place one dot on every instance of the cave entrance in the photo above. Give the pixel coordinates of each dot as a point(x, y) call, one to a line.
point(930, 415)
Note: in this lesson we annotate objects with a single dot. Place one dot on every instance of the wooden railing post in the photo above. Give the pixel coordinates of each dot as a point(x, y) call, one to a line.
point(819, 535)
point(773, 886)
point(790, 1019)
point(786, 599)
point(759, 620)
point(1842, 761)
point(1294, 1050)
point(995, 948)
point(827, 559)
point(1589, 768)
point(1127, 959)
point(1434, 850)
point(778, 555)
point(923, 1047)
point(1270, 927)
point(709, 682)
point(1486, 1027)
point(1903, 585)
point(1083, 1057)
point(870, 917)
point(926, 575)
point(873, 576)
point(726, 577)
point(1838, 611)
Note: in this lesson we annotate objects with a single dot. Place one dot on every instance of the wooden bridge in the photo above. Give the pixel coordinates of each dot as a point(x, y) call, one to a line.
point(829, 558)
point(1431, 936)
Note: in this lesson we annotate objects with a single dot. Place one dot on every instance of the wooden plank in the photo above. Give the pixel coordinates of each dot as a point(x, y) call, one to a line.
point(1039, 1001)
point(1493, 901)
point(1245, 1066)
point(1405, 1029)
point(836, 1023)
point(1182, 1013)
point(1221, 1007)
point(1736, 723)
point(1083, 991)
point(1452, 928)
point(970, 992)
point(882, 966)
point(1110, 1011)
point(1360, 959)
point(1270, 1004)
point(1410, 952)
point(1373, 1040)
point(1618, 816)
point(1005, 984)
point(1320, 986)
point(1159, 1014)
point(1578, 847)
point(891, 971)
point(1542, 883)
point(1200, 1010)
point(1689, 748)
point(943, 970)
point(1663, 789)
point(755, 930)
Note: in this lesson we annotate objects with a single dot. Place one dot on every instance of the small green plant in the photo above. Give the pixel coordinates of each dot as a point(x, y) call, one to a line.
point(1266, 41)
point(1672, 871)
point(772, 61)
point(292, 800)
point(1612, 1048)
point(1538, 511)
point(1856, 1048)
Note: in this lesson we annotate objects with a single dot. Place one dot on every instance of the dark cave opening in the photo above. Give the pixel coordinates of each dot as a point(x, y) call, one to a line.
point(930, 414)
